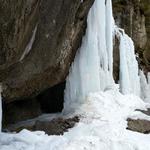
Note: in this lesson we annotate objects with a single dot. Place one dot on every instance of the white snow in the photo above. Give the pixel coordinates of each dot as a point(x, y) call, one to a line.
point(102, 127)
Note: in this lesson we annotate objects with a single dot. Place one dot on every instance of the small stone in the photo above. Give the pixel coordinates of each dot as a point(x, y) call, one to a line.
point(142, 126)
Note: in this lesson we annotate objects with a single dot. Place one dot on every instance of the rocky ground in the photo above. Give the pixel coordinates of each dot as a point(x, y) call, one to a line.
point(139, 125)
point(56, 126)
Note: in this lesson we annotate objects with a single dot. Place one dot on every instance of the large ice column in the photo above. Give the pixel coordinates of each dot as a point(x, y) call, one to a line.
point(92, 67)
point(129, 79)
point(0, 109)
point(145, 86)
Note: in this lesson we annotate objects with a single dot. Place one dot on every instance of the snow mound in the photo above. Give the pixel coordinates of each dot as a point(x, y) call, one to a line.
point(102, 126)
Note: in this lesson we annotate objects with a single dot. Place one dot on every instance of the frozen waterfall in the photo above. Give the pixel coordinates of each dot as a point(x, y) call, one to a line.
point(92, 67)
point(129, 79)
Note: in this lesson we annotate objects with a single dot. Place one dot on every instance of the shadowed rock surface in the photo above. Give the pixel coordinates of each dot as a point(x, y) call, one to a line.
point(49, 101)
point(56, 126)
point(20, 111)
point(30, 65)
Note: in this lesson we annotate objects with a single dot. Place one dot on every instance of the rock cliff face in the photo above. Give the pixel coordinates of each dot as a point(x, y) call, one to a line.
point(134, 17)
point(38, 41)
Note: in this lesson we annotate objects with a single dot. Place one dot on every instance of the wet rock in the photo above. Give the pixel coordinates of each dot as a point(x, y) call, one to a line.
point(142, 126)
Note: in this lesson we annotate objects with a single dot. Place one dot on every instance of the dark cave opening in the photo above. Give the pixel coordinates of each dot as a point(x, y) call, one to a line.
point(20, 110)
point(50, 100)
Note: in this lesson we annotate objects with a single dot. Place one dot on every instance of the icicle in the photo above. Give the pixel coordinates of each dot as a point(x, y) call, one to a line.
point(128, 79)
point(109, 33)
point(145, 86)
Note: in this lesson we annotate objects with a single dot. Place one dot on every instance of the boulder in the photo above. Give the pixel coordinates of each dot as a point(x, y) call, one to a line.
point(139, 125)
point(38, 42)
point(142, 126)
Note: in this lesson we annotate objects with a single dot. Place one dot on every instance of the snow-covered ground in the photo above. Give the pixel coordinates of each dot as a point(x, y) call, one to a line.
point(102, 127)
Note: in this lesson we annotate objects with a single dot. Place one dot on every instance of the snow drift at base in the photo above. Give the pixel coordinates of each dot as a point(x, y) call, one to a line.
point(96, 130)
